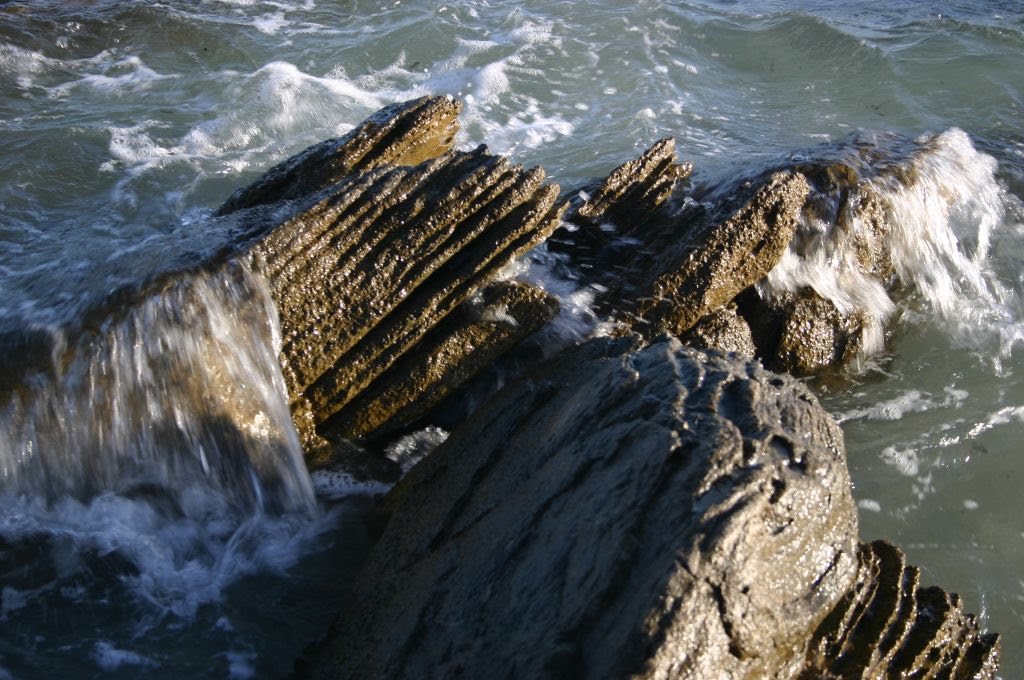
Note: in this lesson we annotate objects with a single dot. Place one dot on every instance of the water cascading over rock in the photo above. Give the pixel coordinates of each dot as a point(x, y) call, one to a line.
point(632, 507)
point(806, 260)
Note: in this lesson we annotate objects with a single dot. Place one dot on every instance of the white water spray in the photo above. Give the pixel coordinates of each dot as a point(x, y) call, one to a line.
point(182, 391)
point(940, 213)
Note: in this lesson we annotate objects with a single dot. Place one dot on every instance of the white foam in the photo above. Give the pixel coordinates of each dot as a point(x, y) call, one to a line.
point(240, 665)
point(911, 401)
point(906, 460)
point(412, 448)
point(869, 505)
point(110, 658)
point(124, 77)
point(337, 484)
point(940, 228)
point(1003, 416)
point(183, 391)
point(12, 599)
point(184, 558)
point(576, 320)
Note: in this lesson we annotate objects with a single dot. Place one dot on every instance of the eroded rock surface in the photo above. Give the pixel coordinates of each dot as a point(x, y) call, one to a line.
point(371, 253)
point(406, 133)
point(642, 513)
point(654, 513)
point(890, 626)
point(815, 251)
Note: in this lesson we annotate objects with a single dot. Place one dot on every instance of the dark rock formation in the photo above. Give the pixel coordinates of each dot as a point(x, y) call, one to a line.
point(889, 626)
point(655, 513)
point(652, 513)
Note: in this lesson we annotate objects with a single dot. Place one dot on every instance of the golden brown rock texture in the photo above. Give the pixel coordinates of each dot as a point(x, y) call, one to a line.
point(370, 256)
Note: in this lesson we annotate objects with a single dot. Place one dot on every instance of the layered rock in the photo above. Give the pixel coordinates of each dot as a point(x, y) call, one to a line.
point(805, 250)
point(654, 513)
point(467, 341)
point(617, 513)
point(665, 267)
point(371, 253)
point(890, 626)
point(406, 133)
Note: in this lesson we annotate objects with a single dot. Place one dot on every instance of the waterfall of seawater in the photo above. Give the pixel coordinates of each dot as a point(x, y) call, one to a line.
point(940, 206)
point(182, 391)
point(153, 456)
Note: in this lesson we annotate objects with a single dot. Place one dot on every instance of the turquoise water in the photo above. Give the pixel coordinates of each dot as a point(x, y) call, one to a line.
point(123, 125)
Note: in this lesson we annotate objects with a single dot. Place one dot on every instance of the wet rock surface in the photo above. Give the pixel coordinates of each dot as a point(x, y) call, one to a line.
point(618, 512)
point(467, 341)
point(370, 254)
point(663, 260)
point(406, 133)
point(642, 513)
point(890, 626)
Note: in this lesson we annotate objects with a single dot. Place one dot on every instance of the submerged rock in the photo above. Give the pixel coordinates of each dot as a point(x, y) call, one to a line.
point(625, 513)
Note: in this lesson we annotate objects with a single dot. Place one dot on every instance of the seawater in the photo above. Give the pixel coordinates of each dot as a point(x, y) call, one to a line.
point(124, 124)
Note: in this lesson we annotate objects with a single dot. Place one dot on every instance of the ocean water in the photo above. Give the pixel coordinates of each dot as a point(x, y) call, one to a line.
point(152, 525)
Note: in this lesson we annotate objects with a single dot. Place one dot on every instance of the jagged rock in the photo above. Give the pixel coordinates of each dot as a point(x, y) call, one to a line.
point(724, 330)
point(803, 334)
point(663, 268)
point(605, 224)
point(888, 626)
point(406, 133)
point(460, 346)
point(365, 269)
point(369, 256)
point(720, 253)
point(636, 189)
point(618, 512)
point(366, 248)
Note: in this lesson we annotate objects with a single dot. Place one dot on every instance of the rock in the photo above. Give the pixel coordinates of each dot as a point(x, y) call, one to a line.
point(464, 343)
point(654, 513)
point(720, 253)
point(636, 189)
point(406, 133)
point(724, 330)
point(889, 626)
point(804, 334)
point(362, 271)
point(368, 244)
point(664, 267)
point(372, 241)
point(608, 221)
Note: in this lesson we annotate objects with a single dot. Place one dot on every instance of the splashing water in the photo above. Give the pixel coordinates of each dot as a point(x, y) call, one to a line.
point(184, 390)
point(939, 209)
point(146, 466)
